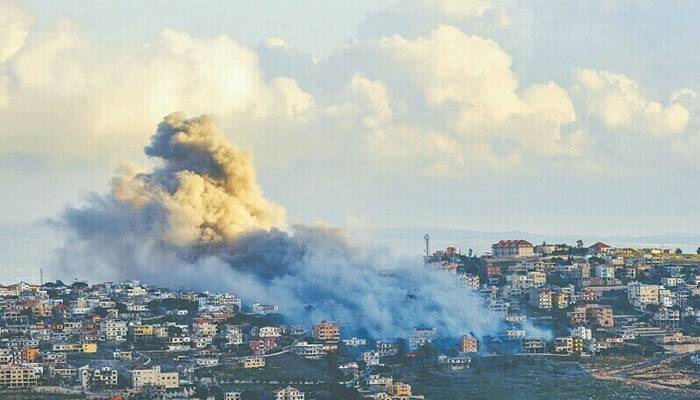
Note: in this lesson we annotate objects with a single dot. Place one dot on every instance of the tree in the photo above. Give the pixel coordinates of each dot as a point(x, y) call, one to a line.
point(698, 250)
point(679, 251)
point(579, 243)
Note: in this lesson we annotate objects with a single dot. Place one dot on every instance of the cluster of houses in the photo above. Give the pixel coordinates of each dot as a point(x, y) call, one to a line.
point(129, 338)
point(586, 300)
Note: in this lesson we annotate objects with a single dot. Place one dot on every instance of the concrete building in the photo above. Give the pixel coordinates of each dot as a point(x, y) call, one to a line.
point(469, 344)
point(97, 378)
point(513, 248)
point(311, 351)
point(289, 393)
point(326, 331)
point(15, 376)
point(252, 362)
point(640, 295)
point(541, 298)
point(154, 377)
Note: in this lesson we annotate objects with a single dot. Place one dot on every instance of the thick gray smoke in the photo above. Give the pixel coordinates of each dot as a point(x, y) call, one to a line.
point(199, 220)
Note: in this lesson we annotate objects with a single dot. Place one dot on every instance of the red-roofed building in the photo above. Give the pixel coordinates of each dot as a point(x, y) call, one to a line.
point(513, 248)
point(599, 248)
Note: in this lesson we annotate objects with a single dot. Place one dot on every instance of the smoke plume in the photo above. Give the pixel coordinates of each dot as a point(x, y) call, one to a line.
point(199, 220)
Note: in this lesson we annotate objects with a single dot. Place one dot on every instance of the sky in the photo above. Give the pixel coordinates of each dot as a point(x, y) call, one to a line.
point(553, 117)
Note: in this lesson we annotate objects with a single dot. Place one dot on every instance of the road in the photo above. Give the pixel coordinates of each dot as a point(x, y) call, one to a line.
point(628, 374)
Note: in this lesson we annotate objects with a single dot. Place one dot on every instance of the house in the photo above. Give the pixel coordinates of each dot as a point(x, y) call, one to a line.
point(512, 248)
point(252, 362)
point(288, 393)
point(458, 363)
point(355, 342)
point(599, 249)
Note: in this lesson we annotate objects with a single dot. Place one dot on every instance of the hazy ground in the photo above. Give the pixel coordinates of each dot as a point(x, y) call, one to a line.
point(526, 378)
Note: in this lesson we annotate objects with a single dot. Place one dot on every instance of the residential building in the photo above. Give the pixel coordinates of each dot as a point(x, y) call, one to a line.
point(288, 393)
point(512, 248)
point(16, 376)
point(326, 331)
point(640, 295)
point(469, 344)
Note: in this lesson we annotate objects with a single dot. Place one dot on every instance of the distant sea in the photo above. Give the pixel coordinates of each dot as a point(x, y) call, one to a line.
point(25, 248)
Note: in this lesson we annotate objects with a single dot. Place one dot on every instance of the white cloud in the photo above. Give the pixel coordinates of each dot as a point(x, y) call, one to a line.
point(103, 97)
point(458, 8)
point(14, 28)
point(470, 80)
point(619, 104)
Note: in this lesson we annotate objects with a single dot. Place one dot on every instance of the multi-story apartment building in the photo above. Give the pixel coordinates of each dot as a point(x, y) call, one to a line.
point(667, 317)
point(639, 294)
point(312, 351)
point(469, 344)
point(326, 331)
point(114, 330)
point(513, 248)
point(98, 378)
point(16, 376)
point(533, 345)
point(560, 299)
point(541, 298)
point(568, 344)
point(536, 278)
point(470, 281)
point(601, 315)
point(154, 377)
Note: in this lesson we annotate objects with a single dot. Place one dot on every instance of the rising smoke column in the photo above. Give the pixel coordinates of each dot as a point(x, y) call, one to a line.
point(199, 220)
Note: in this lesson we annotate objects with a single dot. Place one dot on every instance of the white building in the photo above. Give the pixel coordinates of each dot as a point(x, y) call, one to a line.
point(355, 342)
point(269, 331)
point(288, 393)
point(308, 350)
point(582, 332)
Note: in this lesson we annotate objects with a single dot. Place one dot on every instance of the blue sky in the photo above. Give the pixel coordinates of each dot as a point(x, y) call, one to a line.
point(552, 117)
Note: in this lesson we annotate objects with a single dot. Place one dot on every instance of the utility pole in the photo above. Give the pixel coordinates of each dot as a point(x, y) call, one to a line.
point(427, 245)
point(41, 276)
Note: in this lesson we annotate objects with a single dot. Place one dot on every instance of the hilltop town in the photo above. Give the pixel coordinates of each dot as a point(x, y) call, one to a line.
point(626, 315)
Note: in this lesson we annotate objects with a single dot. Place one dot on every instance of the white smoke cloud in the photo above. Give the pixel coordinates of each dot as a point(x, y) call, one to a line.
point(198, 219)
